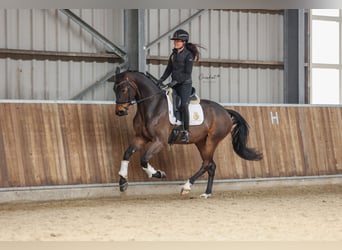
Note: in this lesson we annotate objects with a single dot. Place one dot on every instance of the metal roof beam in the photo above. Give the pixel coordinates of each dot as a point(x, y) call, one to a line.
point(114, 48)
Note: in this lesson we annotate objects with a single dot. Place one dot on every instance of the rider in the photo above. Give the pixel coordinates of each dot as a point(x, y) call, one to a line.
point(180, 67)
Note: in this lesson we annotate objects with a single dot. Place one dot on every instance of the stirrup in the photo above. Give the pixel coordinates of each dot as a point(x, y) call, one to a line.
point(185, 136)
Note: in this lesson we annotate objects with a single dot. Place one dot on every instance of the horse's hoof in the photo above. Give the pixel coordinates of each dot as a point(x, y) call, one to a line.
point(159, 174)
point(186, 188)
point(123, 184)
point(205, 196)
point(185, 191)
point(123, 187)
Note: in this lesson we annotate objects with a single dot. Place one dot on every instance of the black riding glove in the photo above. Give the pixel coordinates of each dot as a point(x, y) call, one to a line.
point(160, 84)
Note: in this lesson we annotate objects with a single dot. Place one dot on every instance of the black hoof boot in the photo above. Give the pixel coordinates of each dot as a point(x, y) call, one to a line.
point(185, 136)
point(123, 184)
point(160, 174)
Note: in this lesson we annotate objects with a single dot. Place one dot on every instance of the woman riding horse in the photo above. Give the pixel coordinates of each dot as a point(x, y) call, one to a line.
point(180, 67)
point(151, 125)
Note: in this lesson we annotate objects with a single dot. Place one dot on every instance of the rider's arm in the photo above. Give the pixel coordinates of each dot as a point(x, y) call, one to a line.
point(167, 71)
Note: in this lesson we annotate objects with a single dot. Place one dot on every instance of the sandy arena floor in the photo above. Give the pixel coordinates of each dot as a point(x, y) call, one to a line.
point(282, 213)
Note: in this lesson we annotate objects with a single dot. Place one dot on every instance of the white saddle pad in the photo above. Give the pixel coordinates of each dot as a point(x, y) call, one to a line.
point(196, 116)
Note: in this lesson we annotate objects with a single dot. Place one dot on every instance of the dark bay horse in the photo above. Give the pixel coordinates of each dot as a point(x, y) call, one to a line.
point(151, 125)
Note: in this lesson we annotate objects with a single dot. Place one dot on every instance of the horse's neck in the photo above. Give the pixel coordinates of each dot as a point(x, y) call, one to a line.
point(151, 100)
point(146, 90)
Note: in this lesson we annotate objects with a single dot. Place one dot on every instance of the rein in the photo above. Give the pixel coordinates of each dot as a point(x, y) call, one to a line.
point(133, 101)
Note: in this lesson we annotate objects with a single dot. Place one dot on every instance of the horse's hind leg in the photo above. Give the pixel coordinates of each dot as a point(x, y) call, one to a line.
point(211, 174)
point(206, 149)
point(187, 186)
point(210, 168)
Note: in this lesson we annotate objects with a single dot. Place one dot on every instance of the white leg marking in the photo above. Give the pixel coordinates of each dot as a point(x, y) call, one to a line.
point(187, 185)
point(186, 188)
point(149, 170)
point(205, 196)
point(124, 169)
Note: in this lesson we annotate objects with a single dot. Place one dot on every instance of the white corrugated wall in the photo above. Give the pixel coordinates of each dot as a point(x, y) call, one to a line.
point(225, 35)
point(228, 35)
point(51, 30)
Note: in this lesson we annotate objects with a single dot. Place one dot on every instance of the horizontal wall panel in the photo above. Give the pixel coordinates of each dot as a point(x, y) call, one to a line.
point(225, 35)
point(234, 85)
point(51, 30)
point(53, 80)
point(69, 143)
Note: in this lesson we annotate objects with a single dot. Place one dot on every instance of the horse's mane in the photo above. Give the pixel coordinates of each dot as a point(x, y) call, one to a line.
point(147, 74)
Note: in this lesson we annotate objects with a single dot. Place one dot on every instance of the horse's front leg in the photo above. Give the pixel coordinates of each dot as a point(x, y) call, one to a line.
point(123, 173)
point(153, 149)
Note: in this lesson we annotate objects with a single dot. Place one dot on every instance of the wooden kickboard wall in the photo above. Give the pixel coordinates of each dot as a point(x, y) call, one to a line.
point(46, 144)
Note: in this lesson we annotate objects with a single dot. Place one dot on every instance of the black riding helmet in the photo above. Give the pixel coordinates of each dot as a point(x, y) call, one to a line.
point(180, 35)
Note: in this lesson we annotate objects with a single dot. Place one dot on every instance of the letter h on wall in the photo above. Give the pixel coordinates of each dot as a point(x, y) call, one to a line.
point(274, 118)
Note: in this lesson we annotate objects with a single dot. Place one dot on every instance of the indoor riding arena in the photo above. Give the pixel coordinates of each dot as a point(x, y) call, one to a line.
point(61, 143)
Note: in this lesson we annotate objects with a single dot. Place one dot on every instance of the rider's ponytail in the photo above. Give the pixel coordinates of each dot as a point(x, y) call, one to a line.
point(194, 50)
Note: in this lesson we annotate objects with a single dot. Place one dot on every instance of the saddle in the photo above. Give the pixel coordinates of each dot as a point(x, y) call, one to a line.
point(176, 101)
point(196, 115)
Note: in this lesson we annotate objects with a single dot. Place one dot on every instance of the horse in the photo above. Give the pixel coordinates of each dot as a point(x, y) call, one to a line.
point(152, 125)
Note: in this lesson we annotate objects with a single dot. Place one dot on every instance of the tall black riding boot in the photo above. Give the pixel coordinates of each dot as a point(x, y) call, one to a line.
point(185, 118)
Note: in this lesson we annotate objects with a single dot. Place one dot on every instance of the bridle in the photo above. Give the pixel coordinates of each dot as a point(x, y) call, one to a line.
point(131, 85)
point(131, 99)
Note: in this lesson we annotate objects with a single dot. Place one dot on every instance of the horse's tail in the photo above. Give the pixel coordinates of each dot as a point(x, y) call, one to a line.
point(240, 136)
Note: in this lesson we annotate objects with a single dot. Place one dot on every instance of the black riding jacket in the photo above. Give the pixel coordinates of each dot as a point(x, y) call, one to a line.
point(179, 66)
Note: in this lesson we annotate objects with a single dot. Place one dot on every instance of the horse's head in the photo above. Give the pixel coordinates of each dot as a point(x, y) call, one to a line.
point(133, 87)
point(125, 91)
